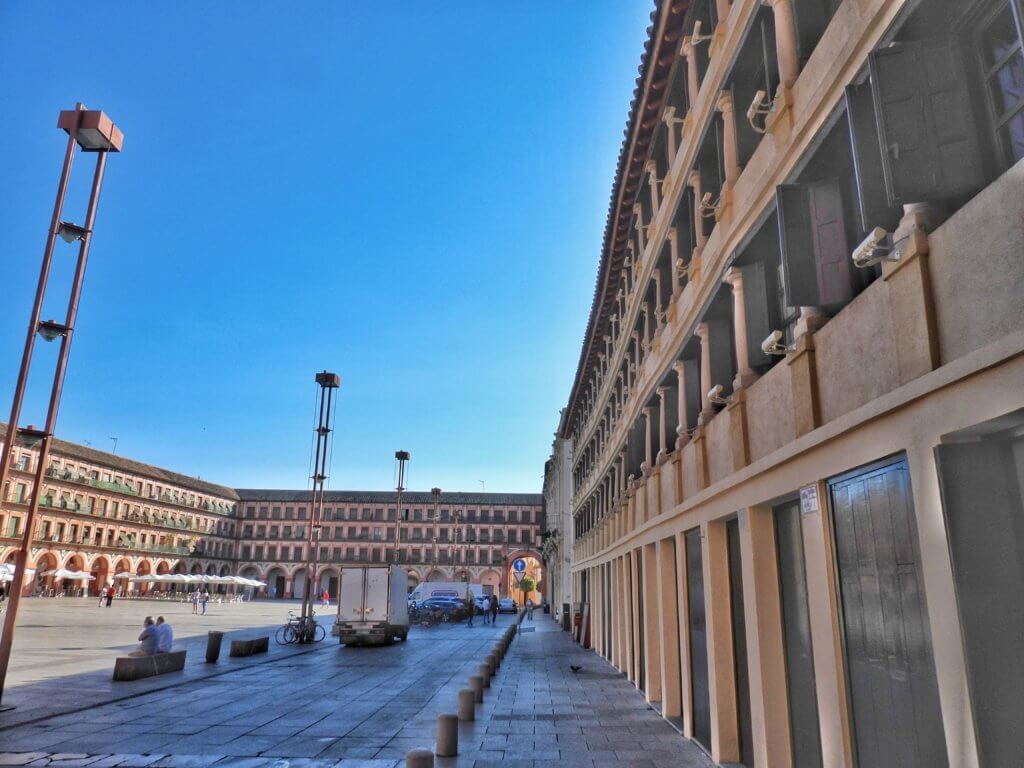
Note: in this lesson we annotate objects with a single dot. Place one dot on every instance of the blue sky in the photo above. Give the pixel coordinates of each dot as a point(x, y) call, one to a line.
point(411, 194)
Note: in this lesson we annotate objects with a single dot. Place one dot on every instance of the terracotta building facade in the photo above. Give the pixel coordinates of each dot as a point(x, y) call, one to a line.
point(797, 422)
point(473, 537)
point(108, 515)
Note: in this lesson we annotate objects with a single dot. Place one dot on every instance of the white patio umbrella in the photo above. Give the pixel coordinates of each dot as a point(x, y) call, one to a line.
point(124, 575)
point(7, 572)
point(64, 573)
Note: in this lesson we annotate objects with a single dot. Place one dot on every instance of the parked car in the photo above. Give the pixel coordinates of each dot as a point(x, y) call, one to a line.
point(507, 605)
point(451, 607)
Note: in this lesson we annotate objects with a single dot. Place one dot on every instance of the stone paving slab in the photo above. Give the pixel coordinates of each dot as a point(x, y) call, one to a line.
point(365, 708)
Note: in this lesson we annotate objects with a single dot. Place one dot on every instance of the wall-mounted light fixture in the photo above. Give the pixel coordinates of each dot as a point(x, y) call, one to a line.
point(697, 38)
point(773, 345)
point(758, 111)
point(709, 207)
point(716, 396)
point(877, 246)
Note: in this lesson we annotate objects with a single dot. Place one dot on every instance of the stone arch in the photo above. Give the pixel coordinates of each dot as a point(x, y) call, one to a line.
point(144, 568)
point(181, 567)
point(196, 569)
point(45, 561)
point(491, 578)
point(329, 579)
point(436, 574)
point(100, 572)
point(414, 579)
point(277, 582)
point(124, 565)
point(535, 570)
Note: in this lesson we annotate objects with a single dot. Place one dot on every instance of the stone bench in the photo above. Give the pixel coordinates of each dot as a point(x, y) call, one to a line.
point(138, 667)
point(250, 646)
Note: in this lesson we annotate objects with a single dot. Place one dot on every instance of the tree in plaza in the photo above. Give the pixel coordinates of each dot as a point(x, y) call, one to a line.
point(527, 585)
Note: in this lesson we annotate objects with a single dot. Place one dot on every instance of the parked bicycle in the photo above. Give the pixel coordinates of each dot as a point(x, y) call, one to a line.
point(299, 629)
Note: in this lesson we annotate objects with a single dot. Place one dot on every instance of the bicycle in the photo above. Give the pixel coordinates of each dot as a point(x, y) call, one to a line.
point(300, 629)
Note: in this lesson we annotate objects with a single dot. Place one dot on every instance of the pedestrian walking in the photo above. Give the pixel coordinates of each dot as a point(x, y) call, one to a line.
point(110, 594)
point(195, 602)
point(494, 609)
point(529, 609)
point(487, 610)
point(204, 599)
point(325, 599)
point(470, 608)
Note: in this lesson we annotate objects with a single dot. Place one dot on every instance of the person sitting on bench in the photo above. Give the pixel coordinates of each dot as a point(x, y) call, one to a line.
point(148, 640)
point(164, 635)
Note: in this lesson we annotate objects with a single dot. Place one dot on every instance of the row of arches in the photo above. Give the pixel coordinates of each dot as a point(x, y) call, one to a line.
point(103, 568)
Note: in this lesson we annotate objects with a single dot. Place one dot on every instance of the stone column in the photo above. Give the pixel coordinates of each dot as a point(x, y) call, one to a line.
point(645, 309)
point(648, 438)
point(652, 179)
point(746, 375)
point(730, 150)
point(638, 222)
point(662, 440)
point(722, 6)
point(659, 312)
point(698, 219)
point(670, 120)
point(786, 46)
point(682, 429)
point(692, 83)
point(675, 259)
point(707, 410)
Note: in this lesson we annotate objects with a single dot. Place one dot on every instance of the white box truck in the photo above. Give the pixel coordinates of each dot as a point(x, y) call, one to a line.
point(372, 606)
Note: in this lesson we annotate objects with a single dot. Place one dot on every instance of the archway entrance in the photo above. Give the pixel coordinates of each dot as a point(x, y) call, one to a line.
point(100, 574)
point(534, 572)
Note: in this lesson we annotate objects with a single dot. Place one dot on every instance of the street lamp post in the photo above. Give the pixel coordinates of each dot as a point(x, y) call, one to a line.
point(401, 457)
point(91, 131)
point(328, 382)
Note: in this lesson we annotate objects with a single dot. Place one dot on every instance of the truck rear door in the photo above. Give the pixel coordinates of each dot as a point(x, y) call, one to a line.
point(350, 595)
point(376, 595)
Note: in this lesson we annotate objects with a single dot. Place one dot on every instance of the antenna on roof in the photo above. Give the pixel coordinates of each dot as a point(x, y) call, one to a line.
point(483, 486)
point(115, 443)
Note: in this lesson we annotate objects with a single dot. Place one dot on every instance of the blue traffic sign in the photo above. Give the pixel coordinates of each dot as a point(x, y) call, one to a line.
point(519, 565)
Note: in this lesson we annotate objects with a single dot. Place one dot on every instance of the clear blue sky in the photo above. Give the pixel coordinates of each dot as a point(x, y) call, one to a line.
point(411, 194)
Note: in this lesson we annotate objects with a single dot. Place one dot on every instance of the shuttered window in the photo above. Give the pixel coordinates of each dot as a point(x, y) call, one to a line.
point(815, 248)
point(1002, 70)
point(929, 141)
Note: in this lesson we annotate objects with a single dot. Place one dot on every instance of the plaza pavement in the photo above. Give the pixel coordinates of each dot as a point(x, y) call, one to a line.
point(366, 707)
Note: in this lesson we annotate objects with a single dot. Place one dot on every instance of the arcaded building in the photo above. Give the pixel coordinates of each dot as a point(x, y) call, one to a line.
point(797, 421)
point(104, 514)
point(107, 516)
point(473, 537)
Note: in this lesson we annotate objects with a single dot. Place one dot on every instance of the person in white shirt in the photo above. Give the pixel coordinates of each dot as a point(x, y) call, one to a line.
point(487, 610)
point(164, 636)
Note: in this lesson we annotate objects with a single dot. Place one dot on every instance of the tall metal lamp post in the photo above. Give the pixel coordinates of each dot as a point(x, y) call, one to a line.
point(328, 382)
point(401, 457)
point(91, 131)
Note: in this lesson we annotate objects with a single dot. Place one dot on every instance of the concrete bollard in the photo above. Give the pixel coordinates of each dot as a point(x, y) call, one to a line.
point(467, 705)
point(419, 758)
point(477, 684)
point(447, 736)
point(484, 671)
point(491, 659)
point(213, 643)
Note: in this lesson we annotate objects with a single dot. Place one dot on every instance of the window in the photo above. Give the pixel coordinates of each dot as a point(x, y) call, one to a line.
point(1002, 73)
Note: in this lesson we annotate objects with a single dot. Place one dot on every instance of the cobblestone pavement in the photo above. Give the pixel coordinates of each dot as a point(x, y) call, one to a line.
point(366, 707)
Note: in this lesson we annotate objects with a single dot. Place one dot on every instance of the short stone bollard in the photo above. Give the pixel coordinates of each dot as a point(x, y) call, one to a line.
point(447, 736)
point(213, 643)
point(419, 758)
point(491, 659)
point(467, 705)
point(484, 671)
point(477, 684)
